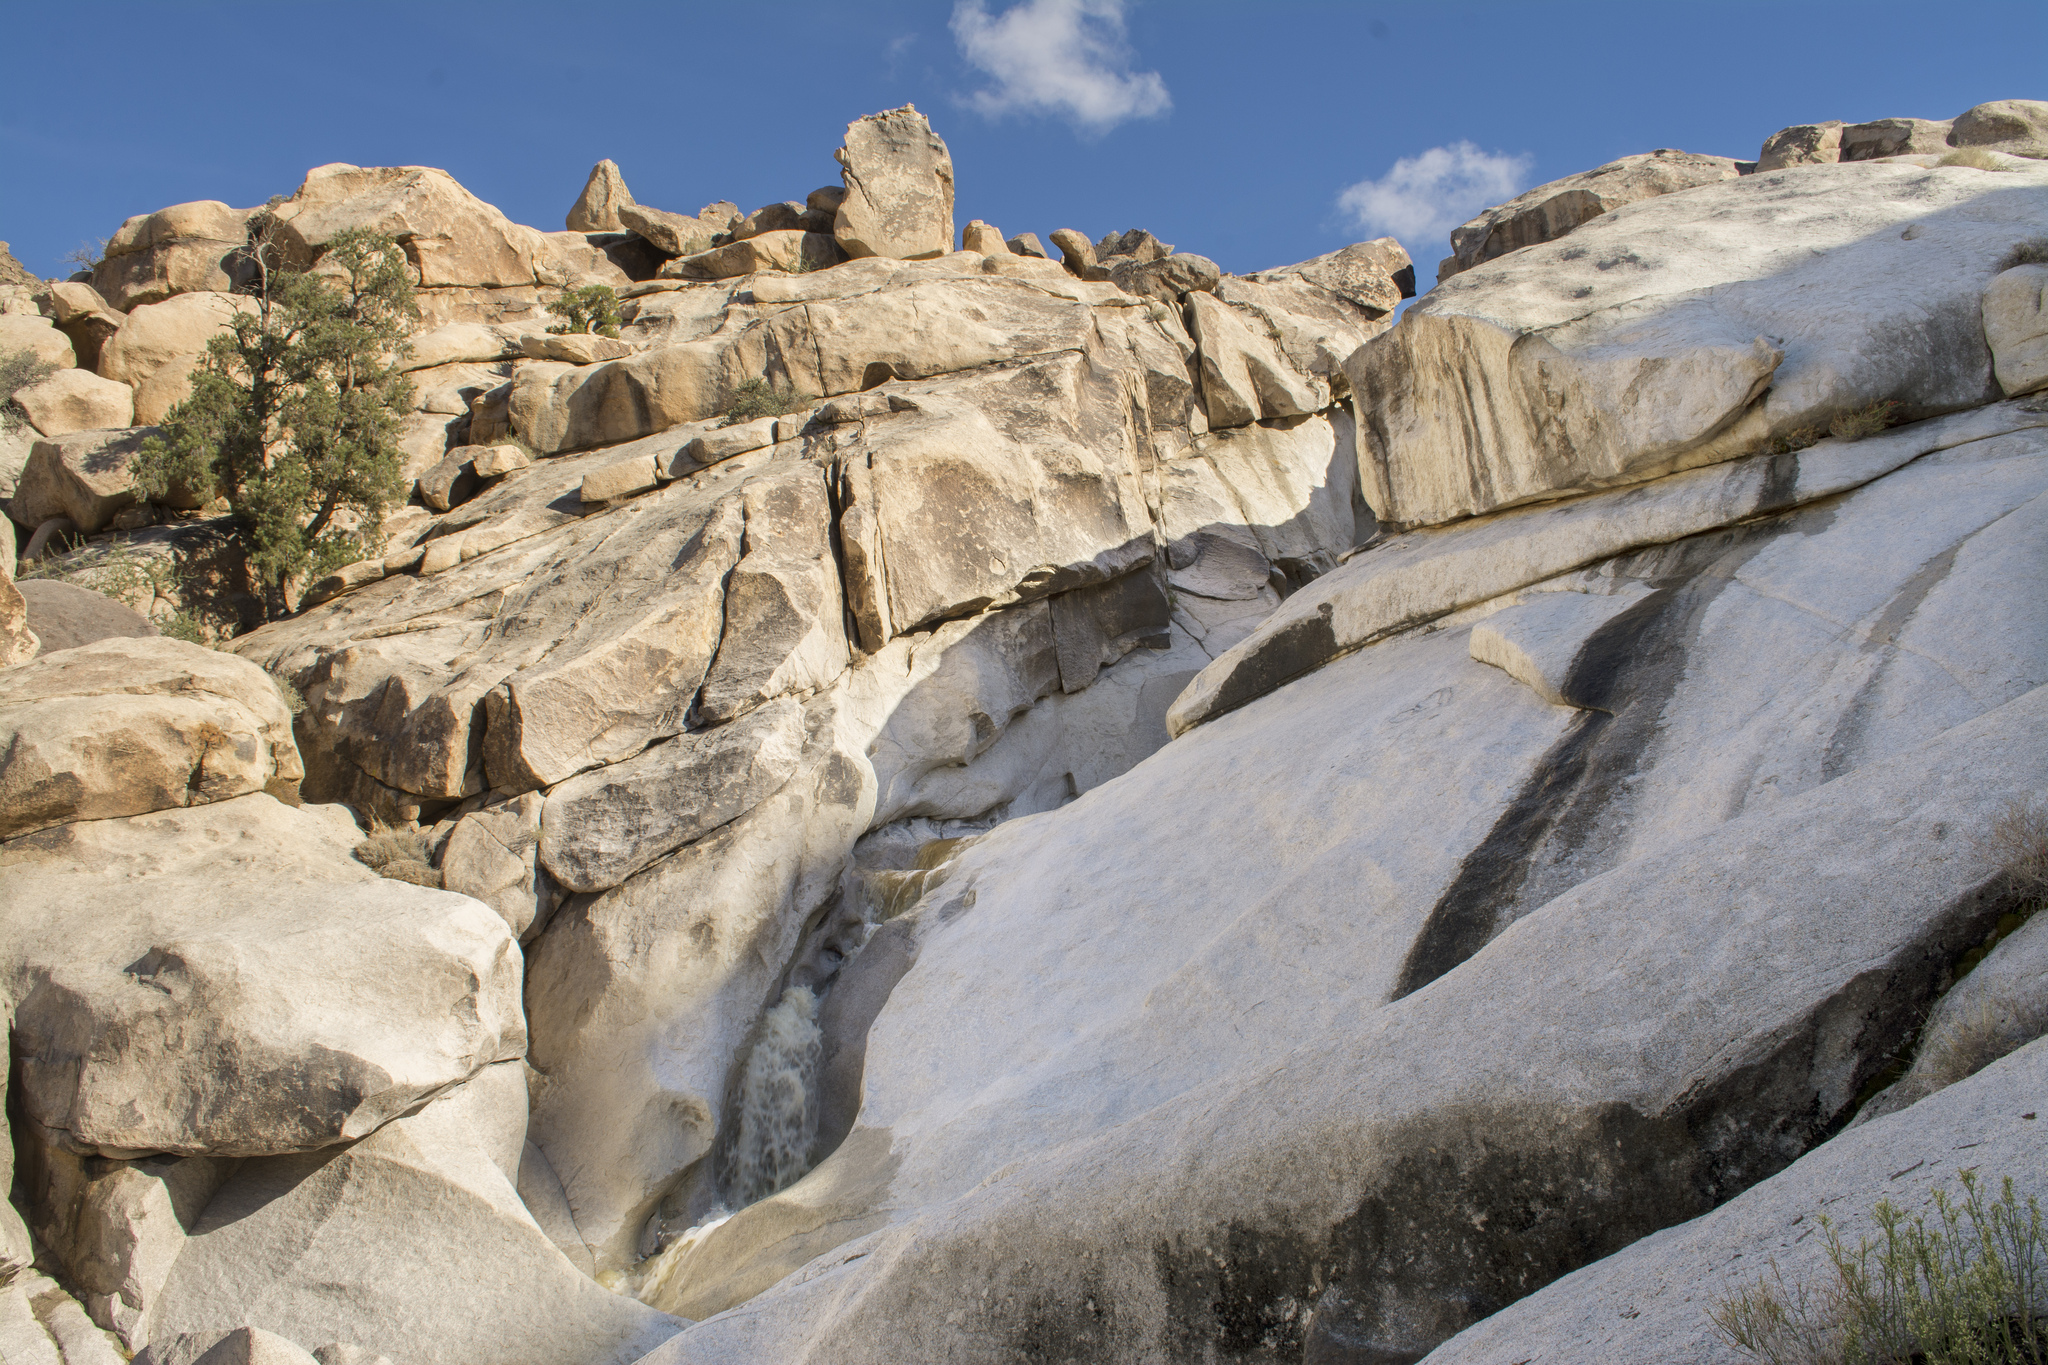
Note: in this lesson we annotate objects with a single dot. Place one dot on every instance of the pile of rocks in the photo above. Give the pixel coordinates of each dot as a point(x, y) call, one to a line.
point(796, 794)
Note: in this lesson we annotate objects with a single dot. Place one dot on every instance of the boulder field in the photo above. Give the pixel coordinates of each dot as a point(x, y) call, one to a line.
point(1132, 812)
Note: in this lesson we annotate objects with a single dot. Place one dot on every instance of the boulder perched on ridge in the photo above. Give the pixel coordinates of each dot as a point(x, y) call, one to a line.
point(604, 194)
point(184, 249)
point(899, 188)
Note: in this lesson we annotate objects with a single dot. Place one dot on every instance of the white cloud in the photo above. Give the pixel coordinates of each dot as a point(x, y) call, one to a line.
point(1425, 196)
point(1065, 57)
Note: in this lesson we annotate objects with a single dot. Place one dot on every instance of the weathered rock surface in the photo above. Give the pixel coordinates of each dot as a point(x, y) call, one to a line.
point(1894, 137)
point(899, 188)
point(1424, 575)
point(38, 336)
point(450, 237)
point(2016, 328)
point(85, 317)
point(160, 344)
point(358, 1218)
point(64, 615)
point(87, 476)
point(1550, 211)
point(201, 1009)
point(1651, 1301)
point(183, 249)
point(1803, 144)
point(2015, 127)
point(1674, 332)
point(491, 856)
point(125, 726)
point(1195, 1181)
point(604, 194)
point(76, 400)
point(674, 234)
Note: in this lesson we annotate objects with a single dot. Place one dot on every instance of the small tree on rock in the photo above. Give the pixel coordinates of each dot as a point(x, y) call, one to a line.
point(593, 308)
point(294, 412)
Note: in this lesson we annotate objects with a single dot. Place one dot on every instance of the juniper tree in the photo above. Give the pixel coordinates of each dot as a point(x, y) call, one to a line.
point(294, 412)
point(593, 308)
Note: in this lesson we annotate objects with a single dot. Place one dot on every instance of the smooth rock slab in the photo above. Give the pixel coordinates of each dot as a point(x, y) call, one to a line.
point(2016, 327)
point(87, 476)
point(65, 615)
point(231, 981)
point(899, 188)
point(77, 400)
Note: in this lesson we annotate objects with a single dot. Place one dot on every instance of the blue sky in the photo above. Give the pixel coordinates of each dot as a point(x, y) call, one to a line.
point(1233, 130)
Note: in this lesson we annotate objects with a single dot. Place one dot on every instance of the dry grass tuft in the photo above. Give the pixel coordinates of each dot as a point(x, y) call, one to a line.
point(1976, 158)
point(2019, 839)
point(1854, 426)
point(390, 845)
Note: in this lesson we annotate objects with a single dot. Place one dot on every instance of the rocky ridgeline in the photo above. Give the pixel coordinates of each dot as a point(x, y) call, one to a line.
point(1590, 697)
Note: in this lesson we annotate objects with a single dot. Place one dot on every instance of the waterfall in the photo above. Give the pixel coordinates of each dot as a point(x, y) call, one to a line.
point(776, 1122)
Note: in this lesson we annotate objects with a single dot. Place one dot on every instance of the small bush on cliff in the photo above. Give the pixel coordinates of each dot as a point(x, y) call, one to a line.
point(1969, 1288)
point(759, 398)
point(1854, 426)
point(18, 370)
point(593, 308)
point(1976, 158)
point(294, 412)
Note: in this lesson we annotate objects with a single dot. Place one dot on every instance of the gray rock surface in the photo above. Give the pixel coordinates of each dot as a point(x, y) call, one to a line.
point(1651, 1301)
point(64, 615)
point(1675, 332)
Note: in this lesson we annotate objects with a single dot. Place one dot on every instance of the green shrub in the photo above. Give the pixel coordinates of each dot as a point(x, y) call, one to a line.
point(17, 371)
point(759, 398)
point(1798, 439)
point(593, 308)
point(1854, 426)
point(1967, 1288)
point(294, 411)
point(184, 625)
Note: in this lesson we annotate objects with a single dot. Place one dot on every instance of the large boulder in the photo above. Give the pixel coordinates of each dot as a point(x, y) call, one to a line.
point(76, 400)
point(409, 1245)
point(1803, 144)
point(1689, 329)
point(85, 317)
point(160, 345)
point(18, 639)
point(1894, 137)
point(186, 248)
point(1375, 275)
point(38, 336)
point(1550, 211)
point(87, 476)
point(604, 194)
point(239, 984)
point(2015, 127)
point(124, 726)
point(2016, 327)
point(450, 237)
point(899, 188)
point(676, 234)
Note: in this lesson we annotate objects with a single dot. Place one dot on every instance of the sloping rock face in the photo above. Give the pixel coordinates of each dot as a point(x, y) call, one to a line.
point(1550, 211)
point(1674, 333)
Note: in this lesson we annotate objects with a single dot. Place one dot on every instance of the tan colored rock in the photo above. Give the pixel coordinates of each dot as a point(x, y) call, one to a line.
point(77, 400)
point(1027, 244)
point(450, 482)
point(785, 631)
point(2015, 127)
point(597, 208)
point(183, 249)
point(494, 462)
point(1894, 137)
point(1553, 210)
point(126, 726)
point(603, 826)
point(450, 237)
point(722, 443)
point(629, 671)
point(677, 234)
point(1166, 278)
point(576, 348)
point(793, 251)
point(18, 640)
point(981, 237)
point(1244, 377)
point(160, 345)
point(460, 342)
point(627, 478)
point(490, 855)
point(1803, 144)
point(16, 275)
point(82, 315)
point(1375, 275)
point(899, 188)
point(1077, 253)
point(788, 216)
point(85, 476)
point(2016, 326)
point(38, 335)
